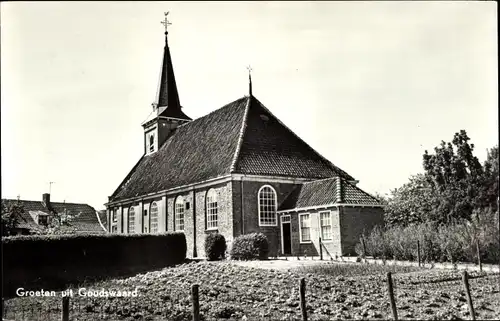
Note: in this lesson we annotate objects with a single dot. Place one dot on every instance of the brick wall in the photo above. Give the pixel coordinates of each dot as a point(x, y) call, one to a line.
point(224, 215)
point(246, 210)
point(356, 220)
point(333, 246)
point(195, 219)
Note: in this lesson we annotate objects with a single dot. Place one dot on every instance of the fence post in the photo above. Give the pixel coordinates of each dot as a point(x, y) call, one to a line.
point(65, 309)
point(465, 279)
point(479, 256)
point(302, 290)
point(418, 253)
point(391, 296)
point(320, 250)
point(196, 302)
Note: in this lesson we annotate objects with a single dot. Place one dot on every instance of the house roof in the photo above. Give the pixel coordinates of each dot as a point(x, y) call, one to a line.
point(328, 191)
point(241, 137)
point(84, 217)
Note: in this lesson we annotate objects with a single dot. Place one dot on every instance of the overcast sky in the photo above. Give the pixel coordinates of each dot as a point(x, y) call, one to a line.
point(369, 85)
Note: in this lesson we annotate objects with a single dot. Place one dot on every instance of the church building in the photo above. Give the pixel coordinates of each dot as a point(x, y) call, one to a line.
point(235, 171)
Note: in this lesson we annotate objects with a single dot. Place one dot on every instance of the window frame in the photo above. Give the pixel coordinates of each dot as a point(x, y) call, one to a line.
point(155, 216)
point(275, 205)
point(176, 213)
point(208, 208)
point(131, 209)
point(300, 229)
point(321, 227)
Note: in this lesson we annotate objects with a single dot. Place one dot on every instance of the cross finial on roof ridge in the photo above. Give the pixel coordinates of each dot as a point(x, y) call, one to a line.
point(249, 68)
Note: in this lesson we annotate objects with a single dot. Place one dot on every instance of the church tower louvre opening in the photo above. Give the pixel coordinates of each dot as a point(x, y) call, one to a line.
point(167, 112)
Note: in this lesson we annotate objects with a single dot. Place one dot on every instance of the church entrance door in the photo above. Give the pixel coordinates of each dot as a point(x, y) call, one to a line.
point(286, 235)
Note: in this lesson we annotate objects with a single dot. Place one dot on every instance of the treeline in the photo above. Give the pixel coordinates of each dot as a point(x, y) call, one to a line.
point(449, 208)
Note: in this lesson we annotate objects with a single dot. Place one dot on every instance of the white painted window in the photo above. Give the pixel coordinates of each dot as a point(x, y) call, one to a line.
point(305, 228)
point(267, 206)
point(326, 225)
point(131, 220)
point(179, 213)
point(212, 209)
point(153, 216)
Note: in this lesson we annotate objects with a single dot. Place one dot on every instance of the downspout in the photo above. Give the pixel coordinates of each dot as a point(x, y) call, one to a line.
point(194, 223)
point(166, 214)
point(242, 209)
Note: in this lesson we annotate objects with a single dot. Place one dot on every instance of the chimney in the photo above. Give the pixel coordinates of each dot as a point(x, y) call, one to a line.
point(46, 199)
point(339, 190)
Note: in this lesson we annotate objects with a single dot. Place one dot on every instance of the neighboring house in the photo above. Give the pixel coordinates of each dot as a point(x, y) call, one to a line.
point(236, 171)
point(39, 216)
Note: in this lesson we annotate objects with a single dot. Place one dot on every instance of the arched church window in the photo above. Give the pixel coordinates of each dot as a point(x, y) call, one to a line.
point(131, 220)
point(212, 209)
point(153, 211)
point(267, 206)
point(179, 213)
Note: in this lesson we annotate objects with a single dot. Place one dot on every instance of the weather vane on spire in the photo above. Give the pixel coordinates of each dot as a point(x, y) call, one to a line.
point(165, 22)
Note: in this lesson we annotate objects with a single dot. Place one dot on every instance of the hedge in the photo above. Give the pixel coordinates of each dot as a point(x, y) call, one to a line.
point(56, 261)
point(215, 246)
point(250, 247)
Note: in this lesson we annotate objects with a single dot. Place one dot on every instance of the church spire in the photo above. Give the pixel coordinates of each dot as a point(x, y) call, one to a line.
point(168, 103)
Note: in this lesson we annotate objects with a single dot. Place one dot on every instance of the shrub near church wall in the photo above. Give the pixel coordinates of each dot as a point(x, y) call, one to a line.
point(49, 262)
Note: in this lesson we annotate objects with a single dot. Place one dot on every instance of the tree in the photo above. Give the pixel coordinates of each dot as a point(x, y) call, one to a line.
point(10, 217)
point(456, 177)
point(489, 193)
point(411, 203)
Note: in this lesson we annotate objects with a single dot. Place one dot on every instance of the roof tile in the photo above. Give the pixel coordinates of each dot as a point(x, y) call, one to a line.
point(325, 192)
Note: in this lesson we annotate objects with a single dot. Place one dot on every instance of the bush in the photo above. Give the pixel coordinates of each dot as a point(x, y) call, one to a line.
point(455, 242)
point(215, 246)
point(250, 247)
point(56, 261)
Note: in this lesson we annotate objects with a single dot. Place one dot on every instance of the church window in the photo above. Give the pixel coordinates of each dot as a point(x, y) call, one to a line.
point(152, 143)
point(267, 206)
point(326, 225)
point(179, 213)
point(154, 217)
point(305, 228)
point(131, 220)
point(212, 209)
point(115, 215)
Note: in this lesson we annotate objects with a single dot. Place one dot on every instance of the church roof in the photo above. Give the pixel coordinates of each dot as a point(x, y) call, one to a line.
point(241, 137)
point(83, 217)
point(326, 192)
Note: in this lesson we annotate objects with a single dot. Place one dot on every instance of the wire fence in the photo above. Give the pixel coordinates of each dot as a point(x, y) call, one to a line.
point(403, 293)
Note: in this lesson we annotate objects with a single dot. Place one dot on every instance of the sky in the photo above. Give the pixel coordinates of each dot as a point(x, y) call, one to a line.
point(369, 85)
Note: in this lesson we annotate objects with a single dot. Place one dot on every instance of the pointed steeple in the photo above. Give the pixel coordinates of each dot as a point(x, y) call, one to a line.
point(168, 103)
